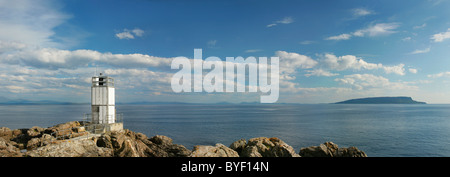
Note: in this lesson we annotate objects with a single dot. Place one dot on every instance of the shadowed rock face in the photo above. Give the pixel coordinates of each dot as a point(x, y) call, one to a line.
point(329, 149)
point(43, 142)
point(129, 144)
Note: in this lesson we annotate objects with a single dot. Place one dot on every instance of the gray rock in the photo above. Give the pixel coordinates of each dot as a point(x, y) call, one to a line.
point(161, 140)
point(34, 131)
point(63, 129)
point(329, 149)
point(6, 133)
point(33, 143)
point(351, 152)
point(68, 148)
point(239, 145)
point(104, 141)
point(163, 147)
point(268, 147)
point(7, 149)
point(219, 150)
point(127, 143)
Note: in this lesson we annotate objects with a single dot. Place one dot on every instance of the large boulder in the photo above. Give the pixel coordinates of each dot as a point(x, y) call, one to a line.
point(6, 133)
point(123, 144)
point(64, 129)
point(44, 140)
point(104, 141)
point(263, 147)
point(7, 149)
point(130, 148)
point(163, 147)
point(219, 150)
point(329, 149)
point(239, 145)
point(35, 131)
point(127, 143)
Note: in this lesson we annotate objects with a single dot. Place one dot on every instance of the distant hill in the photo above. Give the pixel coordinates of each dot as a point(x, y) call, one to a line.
point(5, 101)
point(382, 100)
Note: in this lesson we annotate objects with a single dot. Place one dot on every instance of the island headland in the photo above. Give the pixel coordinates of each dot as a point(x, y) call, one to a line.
point(382, 100)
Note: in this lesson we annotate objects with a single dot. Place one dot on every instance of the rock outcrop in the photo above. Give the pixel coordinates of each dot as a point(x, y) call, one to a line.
point(126, 143)
point(7, 149)
point(329, 149)
point(219, 150)
point(69, 148)
point(263, 147)
point(60, 141)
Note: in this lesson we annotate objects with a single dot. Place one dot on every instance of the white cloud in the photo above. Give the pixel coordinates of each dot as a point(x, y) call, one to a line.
point(420, 26)
point(142, 78)
point(418, 51)
point(369, 81)
point(359, 12)
point(31, 22)
point(320, 72)
point(340, 37)
point(397, 69)
point(130, 34)
point(285, 20)
point(21, 79)
point(289, 62)
point(406, 39)
point(125, 35)
point(438, 75)
point(379, 29)
point(352, 62)
point(412, 70)
point(439, 37)
point(55, 58)
point(138, 32)
point(10, 46)
point(307, 42)
point(348, 62)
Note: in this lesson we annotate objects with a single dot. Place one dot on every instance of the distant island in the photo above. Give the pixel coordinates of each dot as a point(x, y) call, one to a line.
point(382, 100)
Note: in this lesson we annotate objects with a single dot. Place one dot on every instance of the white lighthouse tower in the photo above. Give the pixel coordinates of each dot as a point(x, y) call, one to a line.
point(103, 100)
point(104, 117)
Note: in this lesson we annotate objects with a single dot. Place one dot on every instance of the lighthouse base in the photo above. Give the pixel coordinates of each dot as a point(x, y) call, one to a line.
point(103, 128)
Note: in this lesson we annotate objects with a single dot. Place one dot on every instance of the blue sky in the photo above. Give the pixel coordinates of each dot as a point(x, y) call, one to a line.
point(329, 50)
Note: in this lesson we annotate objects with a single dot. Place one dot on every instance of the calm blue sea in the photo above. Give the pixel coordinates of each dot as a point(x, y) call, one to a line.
point(379, 130)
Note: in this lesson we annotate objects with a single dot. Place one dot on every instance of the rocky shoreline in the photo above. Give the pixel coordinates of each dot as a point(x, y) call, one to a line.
point(71, 140)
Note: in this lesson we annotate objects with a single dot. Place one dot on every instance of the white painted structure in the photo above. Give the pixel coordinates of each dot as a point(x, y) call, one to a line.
point(103, 100)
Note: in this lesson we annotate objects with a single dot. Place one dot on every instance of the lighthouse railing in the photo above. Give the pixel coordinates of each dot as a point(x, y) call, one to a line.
point(95, 127)
point(118, 118)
